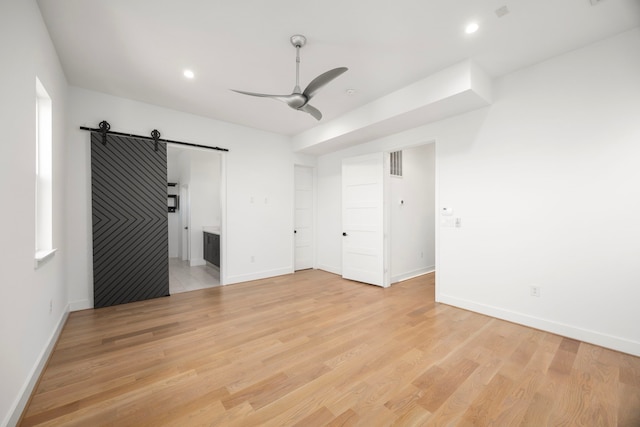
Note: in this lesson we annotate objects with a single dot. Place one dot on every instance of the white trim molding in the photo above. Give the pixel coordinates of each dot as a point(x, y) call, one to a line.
point(32, 380)
point(593, 337)
point(42, 256)
point(258, 275)
point(412, 274)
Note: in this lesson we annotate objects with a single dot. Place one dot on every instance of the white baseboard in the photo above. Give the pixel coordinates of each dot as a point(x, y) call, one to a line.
point(609, 341)
point(412, 274)
point(330, 269)
point(82, 304)
point(196, 262)
point(215, 267)
point(258, 275)
point(25, 393)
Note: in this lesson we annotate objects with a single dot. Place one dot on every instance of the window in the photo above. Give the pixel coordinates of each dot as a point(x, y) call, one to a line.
point(44, 175)
point(395, 165)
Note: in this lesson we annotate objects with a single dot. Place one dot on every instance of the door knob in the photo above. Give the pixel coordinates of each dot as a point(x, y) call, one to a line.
point(295, 231)
point(344, 234)
point(186, 228)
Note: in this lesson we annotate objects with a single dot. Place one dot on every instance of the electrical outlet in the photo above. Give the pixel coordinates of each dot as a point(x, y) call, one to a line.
point(253, 258)
point(50, 306)
point(534, 291)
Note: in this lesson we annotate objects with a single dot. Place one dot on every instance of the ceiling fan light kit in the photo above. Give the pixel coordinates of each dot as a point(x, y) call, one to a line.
point(299, 99)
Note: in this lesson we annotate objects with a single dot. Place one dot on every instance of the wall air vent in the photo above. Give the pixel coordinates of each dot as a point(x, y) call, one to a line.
point(395, 165)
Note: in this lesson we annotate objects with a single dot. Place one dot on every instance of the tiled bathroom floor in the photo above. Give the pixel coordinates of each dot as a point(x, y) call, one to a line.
point(183, 278)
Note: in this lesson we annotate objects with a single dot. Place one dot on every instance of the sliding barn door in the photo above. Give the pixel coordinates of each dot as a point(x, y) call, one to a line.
point(130, 234)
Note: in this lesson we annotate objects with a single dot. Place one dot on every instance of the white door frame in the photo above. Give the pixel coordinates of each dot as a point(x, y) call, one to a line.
point(223, 217)
point(185, 221)
point(386, 209)
point(313, 212)
point(387, 202)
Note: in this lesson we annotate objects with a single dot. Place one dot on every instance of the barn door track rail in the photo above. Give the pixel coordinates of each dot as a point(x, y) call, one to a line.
point(104, 129)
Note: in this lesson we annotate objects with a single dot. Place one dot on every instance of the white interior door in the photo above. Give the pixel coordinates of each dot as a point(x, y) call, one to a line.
point(303, 222)
point(363, 219)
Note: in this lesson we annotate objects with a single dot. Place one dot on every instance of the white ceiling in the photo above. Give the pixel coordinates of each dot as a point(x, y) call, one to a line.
point(138, 49)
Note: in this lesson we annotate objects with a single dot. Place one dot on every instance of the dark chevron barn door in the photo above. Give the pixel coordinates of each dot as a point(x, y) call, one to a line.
point(129, 216)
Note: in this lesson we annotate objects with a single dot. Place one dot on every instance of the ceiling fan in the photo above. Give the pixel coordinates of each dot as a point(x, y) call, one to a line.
point(298, 99)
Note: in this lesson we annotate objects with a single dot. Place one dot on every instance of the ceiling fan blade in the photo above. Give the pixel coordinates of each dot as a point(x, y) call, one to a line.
point(311, 110)
point(262, 95)
point(324, 78)
point(294, 100)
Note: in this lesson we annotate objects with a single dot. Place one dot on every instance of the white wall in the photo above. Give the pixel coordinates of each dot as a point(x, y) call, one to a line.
point(27, 326)
point(184, 176)
point(546, 184)
point(259, 165)
point(412, 214)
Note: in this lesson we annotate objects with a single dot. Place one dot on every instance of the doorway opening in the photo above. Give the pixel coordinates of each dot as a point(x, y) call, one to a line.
point(195, 177)
point(389, 215)
point(412, 212)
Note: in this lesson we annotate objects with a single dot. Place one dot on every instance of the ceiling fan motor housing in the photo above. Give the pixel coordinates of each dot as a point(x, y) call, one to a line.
point(298, 40)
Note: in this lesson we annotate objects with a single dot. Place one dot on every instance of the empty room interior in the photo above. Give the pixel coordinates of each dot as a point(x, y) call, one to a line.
point(374, 213)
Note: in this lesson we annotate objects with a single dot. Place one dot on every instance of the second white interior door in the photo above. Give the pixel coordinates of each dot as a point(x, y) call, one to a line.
point(303, 218)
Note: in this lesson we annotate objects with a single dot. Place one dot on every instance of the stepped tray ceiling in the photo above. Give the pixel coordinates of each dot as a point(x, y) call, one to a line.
point(139, 49)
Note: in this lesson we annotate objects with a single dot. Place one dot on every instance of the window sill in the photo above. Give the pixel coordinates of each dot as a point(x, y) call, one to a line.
point(42, 256)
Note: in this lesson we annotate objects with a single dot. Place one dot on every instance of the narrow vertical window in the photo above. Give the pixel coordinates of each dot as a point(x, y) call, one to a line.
point(44, 175)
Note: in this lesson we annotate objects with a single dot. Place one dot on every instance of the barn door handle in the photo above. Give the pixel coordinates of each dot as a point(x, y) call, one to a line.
point(344, 234)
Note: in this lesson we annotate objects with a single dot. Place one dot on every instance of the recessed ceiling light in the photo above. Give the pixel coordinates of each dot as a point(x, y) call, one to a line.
point(188, 74)
point(351, 92)
point(471, 28)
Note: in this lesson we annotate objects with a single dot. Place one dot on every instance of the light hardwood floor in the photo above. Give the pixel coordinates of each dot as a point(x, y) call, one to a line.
point(311, 349)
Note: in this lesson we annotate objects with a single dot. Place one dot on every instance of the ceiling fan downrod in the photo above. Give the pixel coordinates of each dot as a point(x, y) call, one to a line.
point(298, 41)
